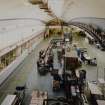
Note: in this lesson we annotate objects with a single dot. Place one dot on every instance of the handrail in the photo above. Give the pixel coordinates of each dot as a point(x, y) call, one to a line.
point(95, 18)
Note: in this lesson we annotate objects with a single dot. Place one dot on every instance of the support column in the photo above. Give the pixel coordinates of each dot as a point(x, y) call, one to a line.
point(46, 33)
point(18, 51)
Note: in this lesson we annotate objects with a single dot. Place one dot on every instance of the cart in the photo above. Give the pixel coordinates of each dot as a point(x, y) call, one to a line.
point(56, 85)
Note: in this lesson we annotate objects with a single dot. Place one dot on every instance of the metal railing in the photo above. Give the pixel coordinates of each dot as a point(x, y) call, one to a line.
point(89, 29)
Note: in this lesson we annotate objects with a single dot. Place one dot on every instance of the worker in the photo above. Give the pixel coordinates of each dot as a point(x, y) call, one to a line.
point(41, 54)
point(78, 51)
point(50, 62)
point(57, 77)
point(82, 56)
point(94, 61)
point(63, 50)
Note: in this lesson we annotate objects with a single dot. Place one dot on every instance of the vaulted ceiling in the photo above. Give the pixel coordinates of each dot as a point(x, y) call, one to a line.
point(63, 9)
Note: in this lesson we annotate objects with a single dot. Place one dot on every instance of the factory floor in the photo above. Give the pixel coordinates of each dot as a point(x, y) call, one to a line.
point(26, 73)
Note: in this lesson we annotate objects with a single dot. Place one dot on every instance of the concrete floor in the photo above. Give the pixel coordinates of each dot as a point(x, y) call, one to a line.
point(26, 73)
point(20, 76)
point(92, 52)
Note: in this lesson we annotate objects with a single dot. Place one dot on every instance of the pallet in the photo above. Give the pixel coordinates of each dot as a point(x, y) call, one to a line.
point(38, 97)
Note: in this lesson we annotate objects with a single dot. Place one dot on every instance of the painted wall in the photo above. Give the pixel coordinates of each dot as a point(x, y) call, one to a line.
point(10, 68)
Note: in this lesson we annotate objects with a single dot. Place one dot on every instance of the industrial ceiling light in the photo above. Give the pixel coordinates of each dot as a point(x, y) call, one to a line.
point(35, 2)
point(48, 10)
point(43, 6)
